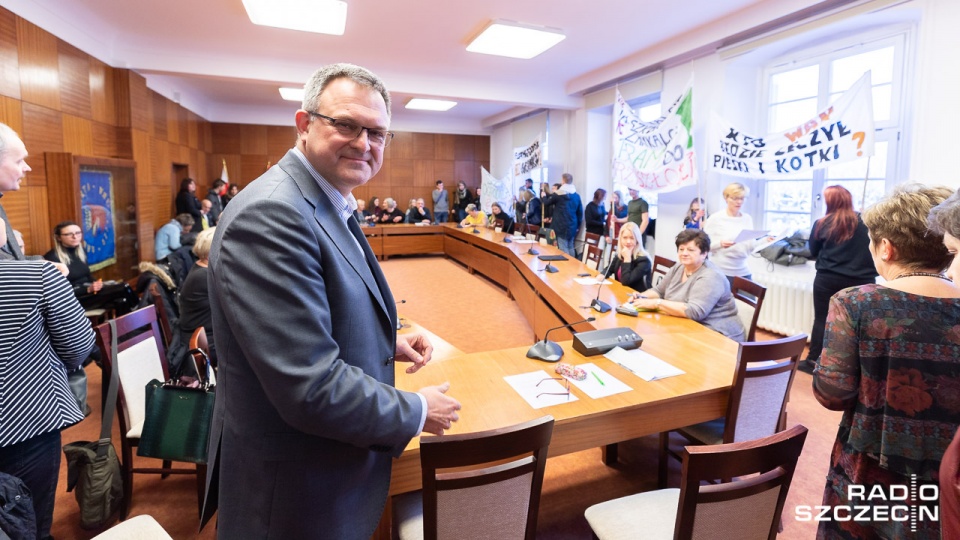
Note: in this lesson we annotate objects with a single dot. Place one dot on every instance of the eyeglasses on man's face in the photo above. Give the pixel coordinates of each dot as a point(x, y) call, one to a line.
point(352, 130)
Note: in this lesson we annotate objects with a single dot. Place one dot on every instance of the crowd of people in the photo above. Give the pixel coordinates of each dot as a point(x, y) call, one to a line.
point(886, 354)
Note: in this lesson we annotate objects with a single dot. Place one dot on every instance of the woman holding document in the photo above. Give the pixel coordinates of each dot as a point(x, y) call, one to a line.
point(730, 256)
point(694, 289)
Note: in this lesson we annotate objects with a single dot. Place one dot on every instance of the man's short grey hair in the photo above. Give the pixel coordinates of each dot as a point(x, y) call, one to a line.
point(323, 76)
point(7, 134)
point(390, 202)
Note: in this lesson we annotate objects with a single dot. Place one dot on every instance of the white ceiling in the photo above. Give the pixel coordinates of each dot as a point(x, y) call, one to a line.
point(207, 55)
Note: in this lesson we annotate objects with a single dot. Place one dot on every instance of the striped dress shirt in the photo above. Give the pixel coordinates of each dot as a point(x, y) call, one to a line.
point(43, 333)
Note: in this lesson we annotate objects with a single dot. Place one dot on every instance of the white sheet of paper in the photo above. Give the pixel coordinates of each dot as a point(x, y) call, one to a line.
point(746, 235)
point(643, 364)
point(592, 385)
point(776, 238)
point(526, 385)
point(591, 281)
point(525, 241)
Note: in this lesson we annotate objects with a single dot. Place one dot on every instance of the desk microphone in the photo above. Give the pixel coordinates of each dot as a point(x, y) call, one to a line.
point(532, 251)
point(399, 324)
point(551, 269)
point(597, 304)
point(475, 231)
point(507, 240)
point(550, 351)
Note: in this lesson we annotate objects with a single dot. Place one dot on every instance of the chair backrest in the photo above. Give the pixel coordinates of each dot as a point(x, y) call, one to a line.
point(494, 491)
point(141, 358)
point(589, 239)
point(532, 229)
point(660, 267)
point(749, 296)
point(198, 341)
point(160, 306)
point(744, 508)
point(592, 256)
point(761, 385)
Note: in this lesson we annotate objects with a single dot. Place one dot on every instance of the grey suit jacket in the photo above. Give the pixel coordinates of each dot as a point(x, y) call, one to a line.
point(306, 420)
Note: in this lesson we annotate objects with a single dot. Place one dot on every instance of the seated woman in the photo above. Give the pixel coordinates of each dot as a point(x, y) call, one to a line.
point(391, 213)
point(631, 265)
point(419, 213)
point(695, 289)
point(68, 248)
point(497, 215)
point(890, 363)
point(373, 210)
point(194, 302)
point(475, 217)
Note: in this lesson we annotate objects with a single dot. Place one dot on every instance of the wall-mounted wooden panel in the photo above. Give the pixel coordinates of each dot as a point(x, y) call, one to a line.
point(463, 148)
point(40, 233)
point(39, 69)
point(42, 132)
point(444, 170)
point(226, 138)
point(74, 80)
point(253, 139)
point(193, 130)
point(158, 115)
point(401, 172)
point(279, 140)
point(251, 167)
point(141, 104)
point(172, 116)
point(443, 147)
point(481, 148)
point(102, 93)
point(10, 113)
point(77, 135)
point(160, 163)
point(123, 105)
point(467, 172)
point(9, 57)
point(401, 147)
point(105, 143)
point(423, 146)
point(423, 173)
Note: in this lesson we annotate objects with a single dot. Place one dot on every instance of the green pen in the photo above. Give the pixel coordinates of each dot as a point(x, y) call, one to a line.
point(597, 377)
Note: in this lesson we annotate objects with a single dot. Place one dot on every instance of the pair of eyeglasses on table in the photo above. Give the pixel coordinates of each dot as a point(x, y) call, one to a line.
point(566, 385)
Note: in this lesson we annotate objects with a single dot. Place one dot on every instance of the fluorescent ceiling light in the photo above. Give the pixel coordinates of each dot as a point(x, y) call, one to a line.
point(292, 94)
point(320, 16)
point(515, 40)
point(424, 104)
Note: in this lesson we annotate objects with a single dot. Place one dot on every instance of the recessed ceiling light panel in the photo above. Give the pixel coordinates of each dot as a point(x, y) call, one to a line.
point(292, 94)
point(425, 104)
point(515, 40)
point(319, 16)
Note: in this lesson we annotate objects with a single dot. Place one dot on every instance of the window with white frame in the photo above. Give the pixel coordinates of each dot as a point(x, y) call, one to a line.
point(797, 89)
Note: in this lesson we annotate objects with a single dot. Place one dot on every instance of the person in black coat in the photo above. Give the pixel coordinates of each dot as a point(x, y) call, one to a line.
point(187, 202)
point(498, 215)
point(631, 265)
point(595, 215)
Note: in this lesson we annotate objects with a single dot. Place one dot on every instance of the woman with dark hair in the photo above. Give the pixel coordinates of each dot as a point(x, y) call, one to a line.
point(231, 193)
point(187, 202)
point(891, 363)
point(595, 214)
point(462, 198)
point(695, 214)
point(695, 288)
point(69, 249)
point(374, 210)
point(841, 246)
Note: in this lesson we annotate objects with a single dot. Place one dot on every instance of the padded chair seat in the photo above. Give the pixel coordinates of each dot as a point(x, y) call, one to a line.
point(408, 515)
point(650, 515)
point(707, 432)
point(141, 527)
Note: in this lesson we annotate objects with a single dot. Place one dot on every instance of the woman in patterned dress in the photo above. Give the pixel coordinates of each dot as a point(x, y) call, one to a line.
point(891, 362)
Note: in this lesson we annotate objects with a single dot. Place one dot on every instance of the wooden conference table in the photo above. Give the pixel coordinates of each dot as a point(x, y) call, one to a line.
point(549, 300)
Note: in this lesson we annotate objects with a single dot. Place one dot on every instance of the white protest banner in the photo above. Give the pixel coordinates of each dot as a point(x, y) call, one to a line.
point(496, 190)
point(654, 156)
point(528, 158)
point(842, 132)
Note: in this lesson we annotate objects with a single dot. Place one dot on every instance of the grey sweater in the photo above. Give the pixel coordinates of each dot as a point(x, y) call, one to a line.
point(440, 201)
point(708, 298)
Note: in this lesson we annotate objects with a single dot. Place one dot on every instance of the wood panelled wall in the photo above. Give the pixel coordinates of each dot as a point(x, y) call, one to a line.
point(60, 99)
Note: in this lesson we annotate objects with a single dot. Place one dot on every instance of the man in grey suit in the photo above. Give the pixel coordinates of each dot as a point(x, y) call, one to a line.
point(307, 420)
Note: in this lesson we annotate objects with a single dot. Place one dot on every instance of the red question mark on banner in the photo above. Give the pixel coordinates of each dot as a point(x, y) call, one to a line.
point(859, 136)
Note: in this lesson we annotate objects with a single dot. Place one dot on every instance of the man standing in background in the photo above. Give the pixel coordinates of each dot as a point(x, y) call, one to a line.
point(13, 167)
point(638, 211)
point(441, 204)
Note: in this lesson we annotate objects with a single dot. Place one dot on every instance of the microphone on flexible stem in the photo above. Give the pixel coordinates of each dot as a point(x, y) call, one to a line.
point(550, 351)
point(507, 240)
point(597, 304)
point(399, 324)
point(551, 269)
point(475, 231)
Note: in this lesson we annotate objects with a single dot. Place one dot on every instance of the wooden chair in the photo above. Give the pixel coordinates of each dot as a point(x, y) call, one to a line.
point(532, 229)
point(198, 342)
point(660, 267)
point(140, 359)
point(758, 398)
point(478, 485)
point(750, 298)
point(745, 508)
point(593, 256)
point(589, 239)
point(160, 306)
